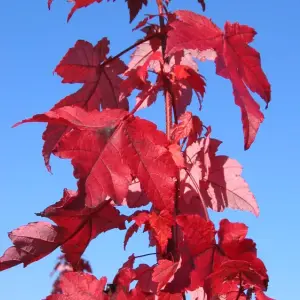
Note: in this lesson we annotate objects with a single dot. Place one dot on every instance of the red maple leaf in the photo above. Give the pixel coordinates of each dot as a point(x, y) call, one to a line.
point(109, 146)
point(241, 64)
point(81, 223)
point(31, 243)
point(236, 61)
point(83, 286)
point(77, 226)
point(88, 64)
point(84, 64)
point(216, 179)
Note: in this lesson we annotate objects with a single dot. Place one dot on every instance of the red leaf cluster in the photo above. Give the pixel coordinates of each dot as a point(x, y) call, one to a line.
point(121, 159)
point(224, 270)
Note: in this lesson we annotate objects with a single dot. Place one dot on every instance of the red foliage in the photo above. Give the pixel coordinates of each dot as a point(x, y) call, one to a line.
point(121, 159)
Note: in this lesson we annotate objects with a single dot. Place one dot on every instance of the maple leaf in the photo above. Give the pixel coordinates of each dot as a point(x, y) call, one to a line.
point(81, 223)
point(241, 64)
point(85, 63)
point(83, 286)
point(82, 64)
point(236, 61)
point(221, 176)
point(109, 146)
point(77, 226)
point(31, 243)
point(227, 188)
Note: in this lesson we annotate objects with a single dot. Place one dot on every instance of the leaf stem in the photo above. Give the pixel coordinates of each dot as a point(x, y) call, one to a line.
point(136, 107)
point(148, 254)
point(139, 42)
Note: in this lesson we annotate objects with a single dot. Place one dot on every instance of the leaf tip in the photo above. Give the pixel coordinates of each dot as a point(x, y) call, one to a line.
point(17, 124)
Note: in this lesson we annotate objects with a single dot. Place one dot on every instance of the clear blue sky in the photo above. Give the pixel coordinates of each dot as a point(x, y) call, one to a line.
point(34, 40)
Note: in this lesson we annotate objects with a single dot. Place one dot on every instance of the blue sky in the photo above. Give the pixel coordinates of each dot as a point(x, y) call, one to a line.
point(33, 40)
